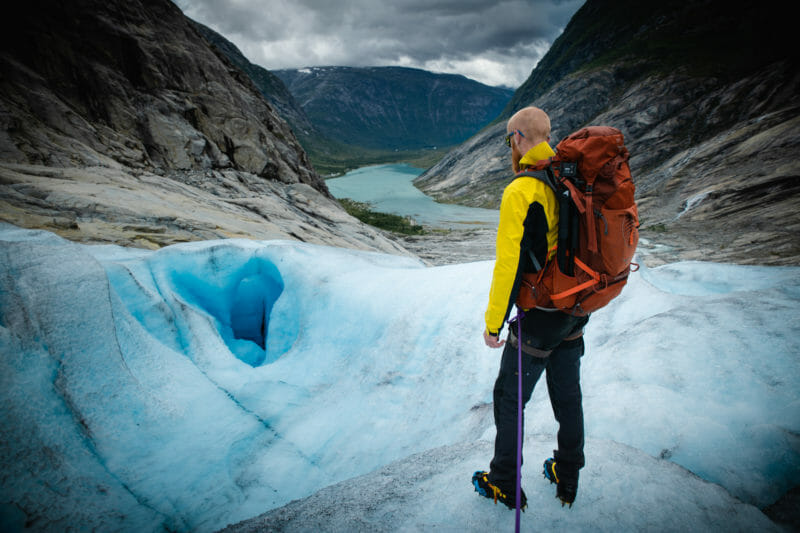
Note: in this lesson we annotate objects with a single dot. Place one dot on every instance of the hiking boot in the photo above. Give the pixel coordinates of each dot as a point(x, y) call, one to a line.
point(566, 484)
point(483, 487)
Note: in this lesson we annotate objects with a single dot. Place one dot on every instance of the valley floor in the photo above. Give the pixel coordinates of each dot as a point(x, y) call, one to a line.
point(465, 246)
point(453, 247)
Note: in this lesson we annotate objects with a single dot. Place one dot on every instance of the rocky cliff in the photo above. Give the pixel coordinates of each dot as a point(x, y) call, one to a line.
point(120, 123)
point(270, 85)
point(394, 108)
point(328, 155)
point(707, 98)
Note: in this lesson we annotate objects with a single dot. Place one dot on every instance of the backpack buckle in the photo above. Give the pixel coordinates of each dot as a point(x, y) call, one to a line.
point(569, 169)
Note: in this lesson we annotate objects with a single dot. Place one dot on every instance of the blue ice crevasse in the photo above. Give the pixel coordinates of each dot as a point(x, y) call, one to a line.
point(238, 289)
point(250, 310)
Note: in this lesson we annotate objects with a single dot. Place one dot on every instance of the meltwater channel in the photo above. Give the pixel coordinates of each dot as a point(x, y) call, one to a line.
point(389, 189)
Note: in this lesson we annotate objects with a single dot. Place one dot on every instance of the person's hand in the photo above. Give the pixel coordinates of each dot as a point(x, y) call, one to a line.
point(492, 341)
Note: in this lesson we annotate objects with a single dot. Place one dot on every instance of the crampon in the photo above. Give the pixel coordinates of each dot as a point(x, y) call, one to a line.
point(566, 486)
point(480, 480)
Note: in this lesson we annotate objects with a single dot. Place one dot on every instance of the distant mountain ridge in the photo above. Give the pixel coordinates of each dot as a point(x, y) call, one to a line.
point(394, 107)
point(347, 115)
point(329, 155)
point(707, 94)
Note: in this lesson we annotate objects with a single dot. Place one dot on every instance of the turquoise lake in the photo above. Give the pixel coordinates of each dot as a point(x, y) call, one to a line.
point(388, 189)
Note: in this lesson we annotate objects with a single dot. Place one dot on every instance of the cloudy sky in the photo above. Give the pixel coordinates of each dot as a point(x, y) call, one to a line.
point(494, 42)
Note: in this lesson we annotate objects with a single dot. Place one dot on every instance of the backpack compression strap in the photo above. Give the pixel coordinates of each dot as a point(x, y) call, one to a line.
point(597, 280)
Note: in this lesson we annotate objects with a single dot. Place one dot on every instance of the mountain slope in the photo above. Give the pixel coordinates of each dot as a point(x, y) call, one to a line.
point(135, 83)
point(329, 156)
point(121, 124)
point(707, 37)
point(393, 107)
point(270, 86)
point(709, 106)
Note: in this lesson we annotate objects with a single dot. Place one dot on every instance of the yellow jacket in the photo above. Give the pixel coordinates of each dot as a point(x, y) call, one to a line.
point(528, 223)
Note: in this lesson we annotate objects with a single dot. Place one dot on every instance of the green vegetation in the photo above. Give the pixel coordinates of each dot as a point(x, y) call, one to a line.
point(384, 221)
point(656, 228)
point(332, 159)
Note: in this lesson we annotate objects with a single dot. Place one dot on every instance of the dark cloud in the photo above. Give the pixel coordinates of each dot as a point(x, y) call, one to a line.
point(493, 42)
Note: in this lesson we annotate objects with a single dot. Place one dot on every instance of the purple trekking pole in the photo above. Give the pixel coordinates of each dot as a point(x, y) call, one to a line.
point(520, 314)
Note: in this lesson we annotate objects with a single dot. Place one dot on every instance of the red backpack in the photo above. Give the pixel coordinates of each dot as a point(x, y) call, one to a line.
point(598, 225)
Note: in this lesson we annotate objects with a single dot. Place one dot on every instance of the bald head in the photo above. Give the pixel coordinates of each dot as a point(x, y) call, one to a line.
point(528, 127)
point(533, 123)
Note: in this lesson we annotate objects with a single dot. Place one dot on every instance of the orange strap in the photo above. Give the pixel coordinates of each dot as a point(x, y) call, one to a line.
point(578, 288)
point(573, 191)
point(597, 279)
point(590, 231)
point(585, 268)
point(550, 253)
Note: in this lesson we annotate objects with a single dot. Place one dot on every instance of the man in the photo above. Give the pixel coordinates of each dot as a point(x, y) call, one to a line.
point(552, 341)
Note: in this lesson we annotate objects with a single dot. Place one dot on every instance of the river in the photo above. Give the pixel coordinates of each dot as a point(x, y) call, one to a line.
point(389, 189)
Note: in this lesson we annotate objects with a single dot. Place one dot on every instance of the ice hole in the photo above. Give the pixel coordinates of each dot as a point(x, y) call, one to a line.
point(251, 306)
point(240, 296)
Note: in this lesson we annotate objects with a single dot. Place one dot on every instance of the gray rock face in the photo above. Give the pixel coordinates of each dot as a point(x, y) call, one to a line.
point(135, 83)
point(270, 86)
point(121, 124)
point(713, 149)
point(146, 210)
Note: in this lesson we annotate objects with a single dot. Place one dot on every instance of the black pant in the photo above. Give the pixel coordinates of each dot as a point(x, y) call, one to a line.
point(563, 386)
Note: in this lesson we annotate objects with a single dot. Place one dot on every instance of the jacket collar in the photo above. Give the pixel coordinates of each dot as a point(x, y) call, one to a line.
point(538, 156)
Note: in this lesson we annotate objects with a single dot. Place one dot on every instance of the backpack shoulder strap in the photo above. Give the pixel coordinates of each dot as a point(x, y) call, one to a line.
point(568, 218)
point(545, 175)
point(548, 178)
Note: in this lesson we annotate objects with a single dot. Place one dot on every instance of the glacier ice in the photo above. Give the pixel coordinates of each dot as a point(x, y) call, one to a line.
point(206, 383)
